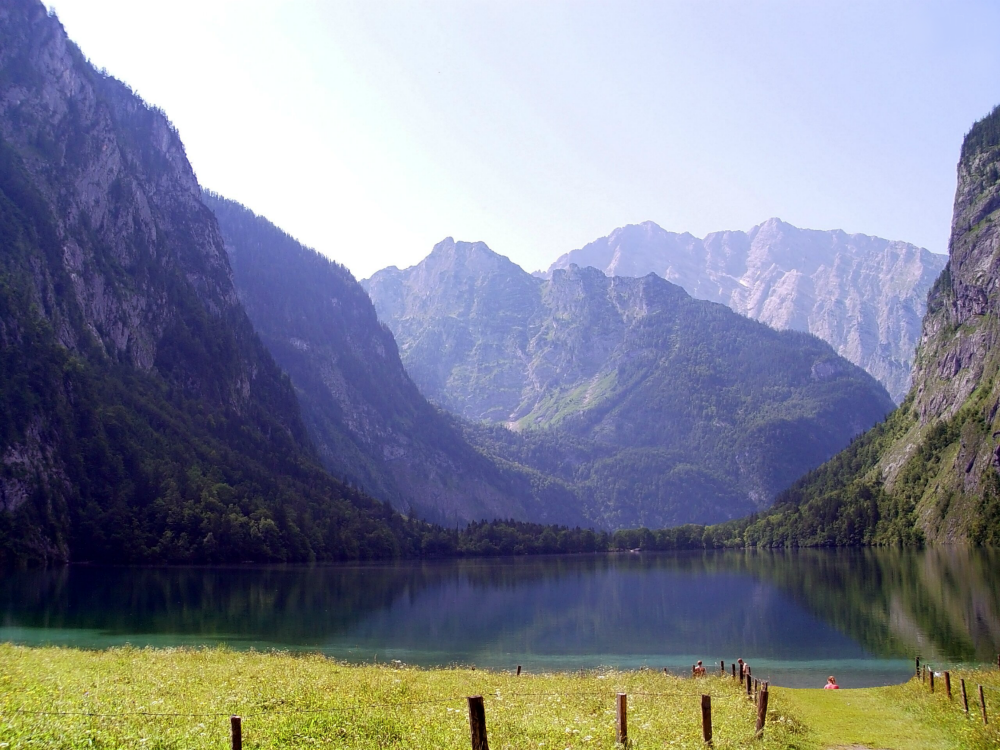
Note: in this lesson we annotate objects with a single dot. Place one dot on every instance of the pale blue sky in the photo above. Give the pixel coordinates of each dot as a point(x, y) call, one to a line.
point(371, 130)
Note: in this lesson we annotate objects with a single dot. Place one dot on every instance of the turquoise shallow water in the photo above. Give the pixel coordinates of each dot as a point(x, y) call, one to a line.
point(795, 616)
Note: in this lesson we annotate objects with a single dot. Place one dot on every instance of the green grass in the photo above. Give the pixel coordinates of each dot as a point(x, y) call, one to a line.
point(900, 717)
point(301, 701)
point(306, 700)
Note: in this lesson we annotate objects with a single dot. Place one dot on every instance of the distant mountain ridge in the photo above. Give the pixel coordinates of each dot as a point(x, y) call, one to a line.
point(657, 407)
point(864, 295)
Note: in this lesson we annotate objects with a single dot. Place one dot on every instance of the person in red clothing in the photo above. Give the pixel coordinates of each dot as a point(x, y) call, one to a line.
point(831, 684)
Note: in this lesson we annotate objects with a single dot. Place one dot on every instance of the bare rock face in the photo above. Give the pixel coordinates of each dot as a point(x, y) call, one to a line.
point(126, 204)
point(863, 295)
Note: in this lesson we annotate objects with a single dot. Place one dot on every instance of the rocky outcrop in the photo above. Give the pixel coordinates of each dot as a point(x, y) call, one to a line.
point(863, 295)
point(956, 376)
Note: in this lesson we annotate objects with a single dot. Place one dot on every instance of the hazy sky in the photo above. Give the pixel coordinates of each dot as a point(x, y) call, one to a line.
point(371, 130)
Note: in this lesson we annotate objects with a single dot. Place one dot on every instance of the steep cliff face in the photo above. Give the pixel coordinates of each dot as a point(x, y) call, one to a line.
point(955, 377)
point(932, 471)
point(863, 295)
point(369, 422)
point(142, 417)
point(658, 408)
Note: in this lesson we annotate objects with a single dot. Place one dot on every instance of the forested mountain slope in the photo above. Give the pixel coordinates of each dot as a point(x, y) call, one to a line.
point(932, 471)
point(140, 416)
point(863, 295)
point(368, 420)
point(659, 408)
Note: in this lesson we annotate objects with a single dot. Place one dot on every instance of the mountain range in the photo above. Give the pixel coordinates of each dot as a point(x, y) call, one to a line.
point(863, 295)
point(657, 407)
point(181, 381)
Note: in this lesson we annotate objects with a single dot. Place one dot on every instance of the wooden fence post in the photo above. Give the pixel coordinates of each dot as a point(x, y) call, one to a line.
point(762, 711)
point(918, 667)
point(722, 668)
point(518, 670)
point(749, 685)
point(734, 670)
point(622, 718)
point(947, 684)
point(932, 680)
point(965, 697)
point(706, 718)
point(477, 723)
point(236, 723)
point(982, 703)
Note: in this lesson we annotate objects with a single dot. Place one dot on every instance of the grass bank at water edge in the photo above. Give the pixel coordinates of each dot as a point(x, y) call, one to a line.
point(182, 698)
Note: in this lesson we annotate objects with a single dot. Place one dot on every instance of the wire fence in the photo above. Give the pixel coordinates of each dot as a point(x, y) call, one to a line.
point(731, 692)
point(927, 674)
point(746, 689)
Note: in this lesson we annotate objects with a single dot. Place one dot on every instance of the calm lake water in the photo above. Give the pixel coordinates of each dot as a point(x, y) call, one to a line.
point(796, 616)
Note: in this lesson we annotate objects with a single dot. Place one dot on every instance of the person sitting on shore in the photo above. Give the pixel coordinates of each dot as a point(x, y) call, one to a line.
point(699, 670)
point(831, 684)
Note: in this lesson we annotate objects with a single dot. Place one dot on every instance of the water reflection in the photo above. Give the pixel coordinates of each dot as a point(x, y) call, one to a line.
point(795, 613)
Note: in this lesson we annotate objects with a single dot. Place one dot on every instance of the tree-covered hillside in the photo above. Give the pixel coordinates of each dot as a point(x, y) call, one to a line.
point(141, 419)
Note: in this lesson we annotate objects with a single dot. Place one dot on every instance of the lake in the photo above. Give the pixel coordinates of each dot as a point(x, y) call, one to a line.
point(796, 616)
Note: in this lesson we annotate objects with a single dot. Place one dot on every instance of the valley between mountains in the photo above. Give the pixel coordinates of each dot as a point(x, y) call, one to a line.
point(183, 381)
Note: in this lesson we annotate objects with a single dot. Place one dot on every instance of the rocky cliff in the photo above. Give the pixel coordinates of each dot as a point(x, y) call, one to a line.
point(140, 416)
point(369, 422)
point(658, 408)
point(863, 295)
point(932, 471)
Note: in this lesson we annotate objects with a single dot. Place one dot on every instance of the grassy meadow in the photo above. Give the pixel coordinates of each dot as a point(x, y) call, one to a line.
point(182, 698)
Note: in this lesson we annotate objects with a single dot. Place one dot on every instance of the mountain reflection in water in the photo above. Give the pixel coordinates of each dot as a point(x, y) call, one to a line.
point(863, 612)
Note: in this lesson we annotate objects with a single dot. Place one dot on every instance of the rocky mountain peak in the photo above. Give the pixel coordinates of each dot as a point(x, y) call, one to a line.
point(864, 295)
